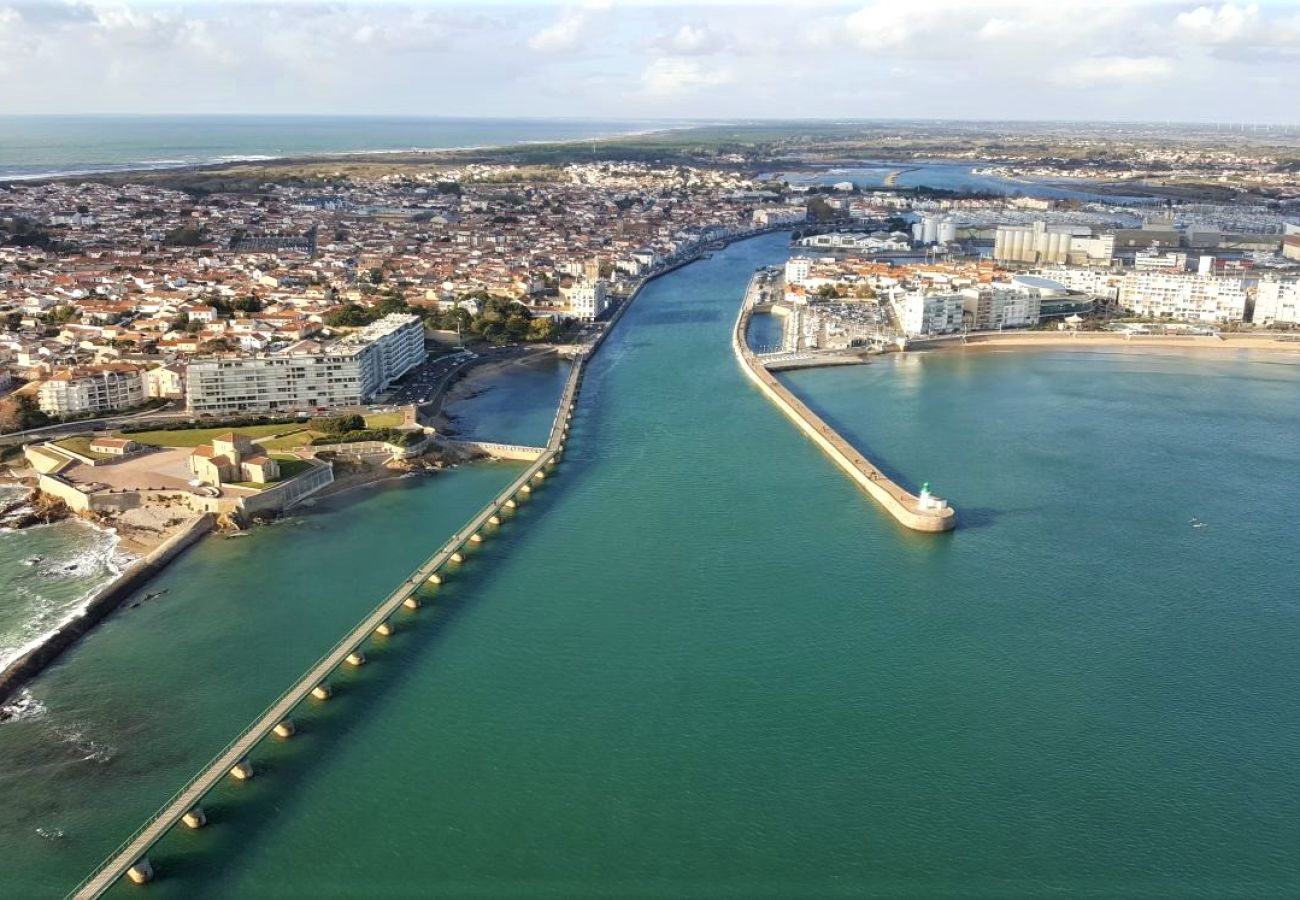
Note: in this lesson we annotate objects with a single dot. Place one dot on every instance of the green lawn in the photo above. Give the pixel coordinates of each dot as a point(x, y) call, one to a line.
point(291, 466)
point(300, 438)
point(385, 420)
point(192, 437)
point(81, 444)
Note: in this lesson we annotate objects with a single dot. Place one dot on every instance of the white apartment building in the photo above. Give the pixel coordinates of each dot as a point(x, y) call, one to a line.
point(923, 314)
point(779, 215)
point(1277, 303)
point(797, 269)
point(388, 348)
point(1090, 281)
point(588, 299)
point(993, 308)
point(1183, 297)
point(93, 390)
point(346, 373)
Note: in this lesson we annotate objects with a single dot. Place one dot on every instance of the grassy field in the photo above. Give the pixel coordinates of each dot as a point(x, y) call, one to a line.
point(271, 437)
point(81, 444)
point(192, 437)
point(384, 420)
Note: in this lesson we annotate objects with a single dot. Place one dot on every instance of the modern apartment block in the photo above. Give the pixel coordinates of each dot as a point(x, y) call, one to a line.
point(588, 299)
point(923, 314)
point(1184, 298)
point(1277, 303)
point(346, 373)
point(91, 390)
point(992, 308)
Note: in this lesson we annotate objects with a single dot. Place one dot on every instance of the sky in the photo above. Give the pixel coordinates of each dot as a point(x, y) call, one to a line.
point(1132, 60)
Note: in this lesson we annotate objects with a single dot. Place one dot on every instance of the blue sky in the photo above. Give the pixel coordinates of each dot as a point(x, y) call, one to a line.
point(975, 59)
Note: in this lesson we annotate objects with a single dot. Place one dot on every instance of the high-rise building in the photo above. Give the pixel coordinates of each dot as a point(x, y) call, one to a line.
point(922, 314)
point(1277, 303)
point(588, 299)
point(992, 308)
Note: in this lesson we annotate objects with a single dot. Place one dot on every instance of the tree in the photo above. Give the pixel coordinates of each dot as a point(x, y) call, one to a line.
point(250, 304)
point(22, 412)
point(61, 315)
point(341, 424)
point(376, 275)
point(350, 316)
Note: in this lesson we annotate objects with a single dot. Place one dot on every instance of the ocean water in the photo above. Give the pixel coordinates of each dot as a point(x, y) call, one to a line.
point(516, 407)
point(701, 664)
point(32, 146)
point(46, 573)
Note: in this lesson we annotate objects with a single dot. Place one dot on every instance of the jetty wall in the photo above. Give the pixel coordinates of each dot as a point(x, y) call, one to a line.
point(902, 505)
point(105, 601)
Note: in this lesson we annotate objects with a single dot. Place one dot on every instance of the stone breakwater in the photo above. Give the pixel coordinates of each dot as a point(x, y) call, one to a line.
point(929, 514)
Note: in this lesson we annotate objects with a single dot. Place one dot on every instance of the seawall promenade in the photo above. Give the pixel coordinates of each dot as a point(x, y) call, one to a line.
point(923, 513)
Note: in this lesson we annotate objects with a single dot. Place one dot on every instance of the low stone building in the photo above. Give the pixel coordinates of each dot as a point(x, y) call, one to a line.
point(112, 446)
point(232, 457)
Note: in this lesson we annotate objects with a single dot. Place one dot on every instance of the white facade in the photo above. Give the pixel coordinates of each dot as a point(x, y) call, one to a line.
point(779, 215)
point(80, 391)
point(932, 314)
point(993, 308)
point(1184, 298)
point(388, 349)
point(587, 300)
point(1277, 303)
point(347, 373)
point(797, 269)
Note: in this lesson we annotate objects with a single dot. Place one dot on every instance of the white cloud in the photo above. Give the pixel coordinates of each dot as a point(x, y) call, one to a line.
point(670, 76)
point(1118, 69)
point(1228, 23)
point(690, 40)
point(562, 36)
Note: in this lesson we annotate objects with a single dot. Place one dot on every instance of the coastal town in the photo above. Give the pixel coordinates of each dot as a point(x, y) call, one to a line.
point(168, 320)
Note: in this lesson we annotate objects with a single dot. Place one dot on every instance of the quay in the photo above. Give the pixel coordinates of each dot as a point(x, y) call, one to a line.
point(919, 513)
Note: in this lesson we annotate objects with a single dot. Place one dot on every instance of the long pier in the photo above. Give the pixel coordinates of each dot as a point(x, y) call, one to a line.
point(130, 858)
point(920, 513)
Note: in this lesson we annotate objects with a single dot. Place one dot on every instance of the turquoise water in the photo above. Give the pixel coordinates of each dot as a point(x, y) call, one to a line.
point(46, 145)
point(702, 664)
point(516, 407)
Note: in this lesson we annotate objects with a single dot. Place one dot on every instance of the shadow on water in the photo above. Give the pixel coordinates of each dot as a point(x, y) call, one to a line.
point(978, 517)
point(187, 862)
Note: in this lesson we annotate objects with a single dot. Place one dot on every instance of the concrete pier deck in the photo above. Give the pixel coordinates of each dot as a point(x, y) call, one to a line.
point(906, 507)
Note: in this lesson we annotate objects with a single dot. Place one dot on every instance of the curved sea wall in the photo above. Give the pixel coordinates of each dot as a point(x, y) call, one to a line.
point(907, 508)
